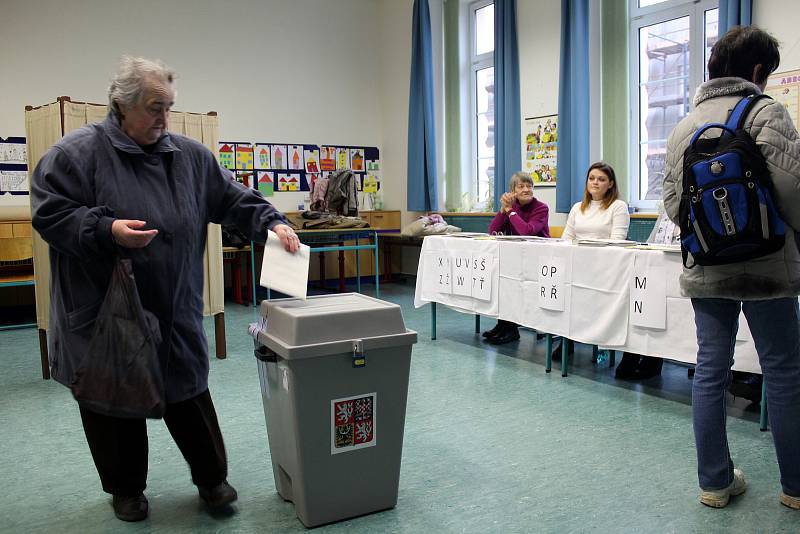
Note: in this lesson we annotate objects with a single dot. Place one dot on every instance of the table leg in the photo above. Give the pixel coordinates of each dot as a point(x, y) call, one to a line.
point(564, 356)
point(387, 262)
point(477, 323)
point(548, 350)
point(341, 269)
point(358, 270)
point(247, 284)
point(236, 277)
point(44, 355)
point(433, 321)
point(377, 272)
point(322, 270)
point(219, 334)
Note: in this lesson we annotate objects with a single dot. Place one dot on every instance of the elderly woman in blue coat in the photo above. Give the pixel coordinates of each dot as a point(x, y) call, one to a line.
point(127, 183)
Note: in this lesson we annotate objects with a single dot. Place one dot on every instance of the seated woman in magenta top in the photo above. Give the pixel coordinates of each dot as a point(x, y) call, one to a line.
point(520, 214)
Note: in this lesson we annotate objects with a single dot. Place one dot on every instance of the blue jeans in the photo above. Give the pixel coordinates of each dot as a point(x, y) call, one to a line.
point(775, 325)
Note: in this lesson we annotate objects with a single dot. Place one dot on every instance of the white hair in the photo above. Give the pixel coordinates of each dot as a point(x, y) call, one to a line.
point(519, 177)
point(128, 85)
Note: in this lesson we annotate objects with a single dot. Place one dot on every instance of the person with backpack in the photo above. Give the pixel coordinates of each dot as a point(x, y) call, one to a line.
point(732, 183)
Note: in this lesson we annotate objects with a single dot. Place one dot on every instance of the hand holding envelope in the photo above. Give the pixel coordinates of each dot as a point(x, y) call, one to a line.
point(284, 271)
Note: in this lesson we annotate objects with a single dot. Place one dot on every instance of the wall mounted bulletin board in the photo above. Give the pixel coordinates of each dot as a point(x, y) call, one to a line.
point(539, 140)
point(785, 88)
point(14, 184)
point(275, 168)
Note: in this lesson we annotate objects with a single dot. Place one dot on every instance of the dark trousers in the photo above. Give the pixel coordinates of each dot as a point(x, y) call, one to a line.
point(119, 446)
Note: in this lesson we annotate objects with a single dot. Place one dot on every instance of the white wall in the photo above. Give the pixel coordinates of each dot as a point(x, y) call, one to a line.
point(781, 18)
point(539, 34)
point(299, 71)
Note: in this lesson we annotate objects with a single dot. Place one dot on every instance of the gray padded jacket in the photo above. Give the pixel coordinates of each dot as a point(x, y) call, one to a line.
point(777, 274)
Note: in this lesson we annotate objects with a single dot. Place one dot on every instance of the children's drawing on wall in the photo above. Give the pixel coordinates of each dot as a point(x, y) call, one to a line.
point(13, 151)
point(266, 183)
point(373, 166)
point(226, 155)
point(262, 156)
point(327, 160)
point(288, 182)
point(14, 170)
point(342, 159)
point(296, 157)
point(369, 197)
point(540, 137)
point(279, 157)
point(357, 159)
point(244, 156)
point(14, 182)
point(371, 183)
point(312, 160)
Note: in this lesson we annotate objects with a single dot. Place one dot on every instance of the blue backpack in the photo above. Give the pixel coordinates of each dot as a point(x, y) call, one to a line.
point(727, 213)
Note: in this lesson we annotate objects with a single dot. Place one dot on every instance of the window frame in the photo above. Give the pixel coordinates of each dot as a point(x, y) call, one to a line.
point(641, 17)
point(477, 62)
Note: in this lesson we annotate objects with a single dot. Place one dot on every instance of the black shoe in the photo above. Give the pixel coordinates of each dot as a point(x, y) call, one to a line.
point(218, 496)
point(506, 336)
point(746, 385)
point(130, 508)
point(626, 370)
point(649, 366)
point(494, 331)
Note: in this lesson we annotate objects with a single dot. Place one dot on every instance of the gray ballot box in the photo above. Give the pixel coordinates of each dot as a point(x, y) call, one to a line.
point(334, 382)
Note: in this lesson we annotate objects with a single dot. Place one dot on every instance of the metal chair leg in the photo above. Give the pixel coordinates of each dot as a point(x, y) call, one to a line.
point(548, 350)
point(764, 421)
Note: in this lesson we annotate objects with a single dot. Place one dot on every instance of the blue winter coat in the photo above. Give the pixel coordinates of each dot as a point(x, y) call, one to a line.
point(97, 174)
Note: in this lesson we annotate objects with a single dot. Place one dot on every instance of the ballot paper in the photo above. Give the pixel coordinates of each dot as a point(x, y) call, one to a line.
point(283, 271)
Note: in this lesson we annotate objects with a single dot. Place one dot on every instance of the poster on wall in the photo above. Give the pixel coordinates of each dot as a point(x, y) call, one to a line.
point(784, 87)
point(539, 140)
point(261, 154)
point(13, 169)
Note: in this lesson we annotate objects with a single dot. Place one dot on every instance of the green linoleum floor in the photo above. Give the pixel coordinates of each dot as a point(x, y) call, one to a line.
point(492, 444)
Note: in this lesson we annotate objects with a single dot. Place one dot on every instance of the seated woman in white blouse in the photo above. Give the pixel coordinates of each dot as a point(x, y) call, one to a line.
point(600, 215)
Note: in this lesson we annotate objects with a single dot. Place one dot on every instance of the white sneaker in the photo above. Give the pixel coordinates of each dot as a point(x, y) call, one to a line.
point(720, 498)
point(791, 502)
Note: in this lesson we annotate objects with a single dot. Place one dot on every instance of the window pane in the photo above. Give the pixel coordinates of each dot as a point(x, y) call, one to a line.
point(645, 3)
point(653, 156)
point(485, 181)
point(663, 95)
point(484, 30)
point(484, 90)
point(485, 135)
point(710, 36)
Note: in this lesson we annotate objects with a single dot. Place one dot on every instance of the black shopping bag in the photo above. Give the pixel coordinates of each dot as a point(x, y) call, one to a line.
point(120, 374)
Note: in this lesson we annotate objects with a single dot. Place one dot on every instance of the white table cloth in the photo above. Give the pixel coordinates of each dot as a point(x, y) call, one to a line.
point(596, 288)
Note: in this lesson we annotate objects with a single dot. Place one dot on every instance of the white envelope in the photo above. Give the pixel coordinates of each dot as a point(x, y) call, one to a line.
point(283, 271)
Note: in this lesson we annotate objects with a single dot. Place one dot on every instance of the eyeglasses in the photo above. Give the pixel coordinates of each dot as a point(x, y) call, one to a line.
point(497, 233)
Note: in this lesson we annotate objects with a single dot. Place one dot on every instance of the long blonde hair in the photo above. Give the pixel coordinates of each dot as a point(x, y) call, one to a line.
point(611, 195)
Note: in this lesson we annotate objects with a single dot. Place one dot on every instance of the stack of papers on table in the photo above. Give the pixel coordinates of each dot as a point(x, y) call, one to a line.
point(467, 234)
point(607, 242)
point(660, 246)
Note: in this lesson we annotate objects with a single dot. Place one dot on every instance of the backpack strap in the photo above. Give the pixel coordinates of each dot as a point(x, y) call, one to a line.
point(742, 110)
